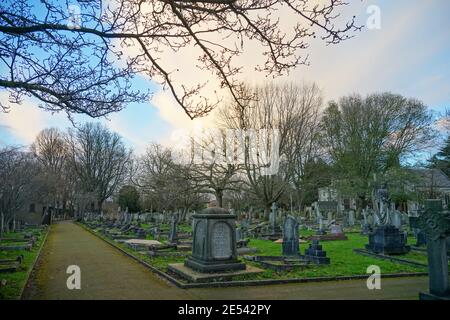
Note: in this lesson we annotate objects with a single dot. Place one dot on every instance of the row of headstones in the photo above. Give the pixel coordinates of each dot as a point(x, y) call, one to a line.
point(126, 218)
point(434, 222)
point(14, 225)
point(395, 218)
point(126, 224)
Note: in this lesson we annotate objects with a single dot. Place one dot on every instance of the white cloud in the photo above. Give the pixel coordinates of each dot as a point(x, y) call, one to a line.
point(23, 121)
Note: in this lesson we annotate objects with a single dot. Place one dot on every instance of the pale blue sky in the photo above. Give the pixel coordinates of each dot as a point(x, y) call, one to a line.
point(409, 55)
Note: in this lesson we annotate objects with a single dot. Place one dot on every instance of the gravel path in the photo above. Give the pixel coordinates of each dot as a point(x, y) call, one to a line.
point(106, 273)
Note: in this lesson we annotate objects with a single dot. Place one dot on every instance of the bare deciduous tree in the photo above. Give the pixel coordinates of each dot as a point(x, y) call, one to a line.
point(51, 151)
point(210, 165)
point(165, 183)
point(17, 175)
point(76, 61)
point(292, 111)
point(99, 159)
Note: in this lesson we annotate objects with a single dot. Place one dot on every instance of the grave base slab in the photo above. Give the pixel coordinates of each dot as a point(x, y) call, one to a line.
point(214, 266)
point(195, 276)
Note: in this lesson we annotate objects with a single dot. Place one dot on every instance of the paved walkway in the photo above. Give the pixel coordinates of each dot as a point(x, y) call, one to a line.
point(106, 273)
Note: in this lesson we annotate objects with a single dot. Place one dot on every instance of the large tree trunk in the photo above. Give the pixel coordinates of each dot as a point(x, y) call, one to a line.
point(2, 224)
point(219, 198)
point(100, 206)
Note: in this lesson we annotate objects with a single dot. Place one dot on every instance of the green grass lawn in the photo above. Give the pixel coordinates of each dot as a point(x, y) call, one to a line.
point(16, 281)
point(344, 262)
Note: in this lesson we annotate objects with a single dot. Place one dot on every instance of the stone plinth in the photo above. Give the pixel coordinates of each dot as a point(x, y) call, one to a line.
point(214, 242)
point(316, 254)
point(387, 240)
point(196, 276)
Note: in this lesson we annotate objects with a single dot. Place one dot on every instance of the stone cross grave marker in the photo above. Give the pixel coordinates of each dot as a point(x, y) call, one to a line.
point(435, 223)
point(173, 228)
point(273, 217)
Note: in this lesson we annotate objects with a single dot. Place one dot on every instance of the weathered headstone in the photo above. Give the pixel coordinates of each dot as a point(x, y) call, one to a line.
point(290, 237)
point(396, 219)
point(321, 230)
point(214, 242)
point(173, 229)
point(239, 236)
point(435, 223)
point(273, 217)
point(421, 239)
point(351, 218)
point(336, 229)
point(316, 254)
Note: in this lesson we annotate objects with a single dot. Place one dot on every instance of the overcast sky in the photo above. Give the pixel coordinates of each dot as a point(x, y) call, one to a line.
point(409, 55)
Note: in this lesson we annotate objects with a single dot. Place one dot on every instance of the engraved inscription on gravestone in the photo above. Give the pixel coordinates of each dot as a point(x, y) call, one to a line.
point(221, 241)
point(200, 234)
point(289, 229)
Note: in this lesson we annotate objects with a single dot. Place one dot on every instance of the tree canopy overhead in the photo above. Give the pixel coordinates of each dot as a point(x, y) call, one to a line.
point(76, 61)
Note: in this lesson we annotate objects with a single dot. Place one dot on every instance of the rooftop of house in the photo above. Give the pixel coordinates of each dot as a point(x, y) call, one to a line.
point(432, 177)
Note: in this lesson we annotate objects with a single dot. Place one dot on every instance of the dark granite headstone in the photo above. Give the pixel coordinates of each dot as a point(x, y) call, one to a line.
point(173, 229)
point(421, 239)
point(290, 237)
point(140, 233)
point(273, 217)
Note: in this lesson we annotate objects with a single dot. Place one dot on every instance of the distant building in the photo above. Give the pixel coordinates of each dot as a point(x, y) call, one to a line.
point(328, 194)
point(330, 200)
point(433, 184)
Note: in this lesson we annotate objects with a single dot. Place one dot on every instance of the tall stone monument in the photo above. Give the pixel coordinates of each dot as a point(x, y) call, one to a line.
point(435, 223)
point(214, 242)
point(173, 228)
point(386, 238)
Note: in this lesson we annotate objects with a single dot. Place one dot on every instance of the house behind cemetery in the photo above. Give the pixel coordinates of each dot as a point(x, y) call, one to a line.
point(432, 184)
point(330, 200)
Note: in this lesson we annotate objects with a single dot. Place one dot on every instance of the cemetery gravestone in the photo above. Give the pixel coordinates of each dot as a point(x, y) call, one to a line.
point(173, 229)
point(316, 254)
point(351, 218)
point(397, 219)
point(290, 237)
point(238, 234)
point(273, 217)
point(214, 242)
point(421, 239)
